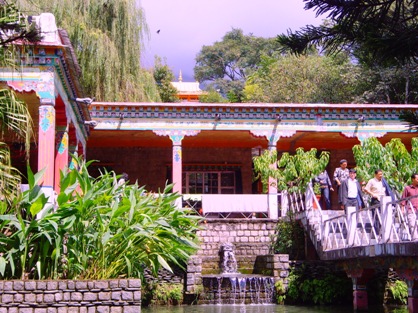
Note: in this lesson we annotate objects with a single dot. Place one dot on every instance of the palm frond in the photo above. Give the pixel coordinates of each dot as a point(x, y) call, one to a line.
point(9, 176)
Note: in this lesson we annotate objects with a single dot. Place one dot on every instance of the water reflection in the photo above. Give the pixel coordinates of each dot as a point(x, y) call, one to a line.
point(265, 309)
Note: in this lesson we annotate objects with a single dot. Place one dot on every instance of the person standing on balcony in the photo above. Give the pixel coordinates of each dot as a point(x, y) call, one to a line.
point(411, 205)
point(376, 188)
point(340, 174)
point(326, 186)
point(350, 192)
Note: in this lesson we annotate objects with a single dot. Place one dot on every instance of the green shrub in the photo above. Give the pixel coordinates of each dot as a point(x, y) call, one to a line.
point(330, 289)
point(289, 238)
point(167, 294)
point(399, 292)
point(280, 292)
point(100, 229)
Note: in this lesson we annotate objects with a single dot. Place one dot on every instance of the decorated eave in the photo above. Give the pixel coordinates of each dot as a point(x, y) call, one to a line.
point(351, 120)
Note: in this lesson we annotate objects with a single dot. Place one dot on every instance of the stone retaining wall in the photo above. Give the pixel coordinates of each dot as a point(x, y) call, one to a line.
point(62, 296)
point(276, 265)
point(251, 237)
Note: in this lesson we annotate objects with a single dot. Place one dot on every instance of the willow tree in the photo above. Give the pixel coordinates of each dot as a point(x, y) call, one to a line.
point(108, 38)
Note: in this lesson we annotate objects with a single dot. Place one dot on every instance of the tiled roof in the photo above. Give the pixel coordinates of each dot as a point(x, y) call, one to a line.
point(187, 88)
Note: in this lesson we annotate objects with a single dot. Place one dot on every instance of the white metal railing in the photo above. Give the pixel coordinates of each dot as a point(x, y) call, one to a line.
point(391, 222)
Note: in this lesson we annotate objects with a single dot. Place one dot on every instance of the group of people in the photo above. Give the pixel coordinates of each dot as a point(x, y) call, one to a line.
point(350, 193)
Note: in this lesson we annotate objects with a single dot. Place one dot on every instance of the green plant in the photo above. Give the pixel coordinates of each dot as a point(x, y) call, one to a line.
point(393, 158)
point(293, 172)
point(330, 289)
point(288, 238)
point(280, 292)
point(317, 189)
point(399, 291)
point(167, 294)
point(30, 246)
point(100, 229)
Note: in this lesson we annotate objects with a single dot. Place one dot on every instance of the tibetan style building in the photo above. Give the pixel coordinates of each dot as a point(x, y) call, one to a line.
point(203, 149)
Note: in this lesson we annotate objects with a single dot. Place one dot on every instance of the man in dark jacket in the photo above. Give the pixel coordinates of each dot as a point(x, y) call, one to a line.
point(350, 194)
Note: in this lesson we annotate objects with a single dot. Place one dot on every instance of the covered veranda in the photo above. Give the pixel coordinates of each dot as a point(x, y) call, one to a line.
point(206, 150)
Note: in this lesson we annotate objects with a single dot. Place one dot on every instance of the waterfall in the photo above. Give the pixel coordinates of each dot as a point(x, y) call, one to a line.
point(232, 287)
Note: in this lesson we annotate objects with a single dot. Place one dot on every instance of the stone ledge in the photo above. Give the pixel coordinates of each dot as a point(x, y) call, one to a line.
point(19, 296)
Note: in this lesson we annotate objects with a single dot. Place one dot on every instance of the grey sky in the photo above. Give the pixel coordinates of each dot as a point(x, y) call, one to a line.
point(187, 25)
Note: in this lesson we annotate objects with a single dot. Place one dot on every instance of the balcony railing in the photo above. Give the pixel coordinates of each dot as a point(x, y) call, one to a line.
point(234, 205)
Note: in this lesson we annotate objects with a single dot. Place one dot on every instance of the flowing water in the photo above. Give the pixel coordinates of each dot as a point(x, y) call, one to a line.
point(266, 309)
point(231, 287)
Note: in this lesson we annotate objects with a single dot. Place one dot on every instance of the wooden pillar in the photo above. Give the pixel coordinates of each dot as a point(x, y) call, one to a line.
point(177, 162)
point(46, 148)
point(61, 155)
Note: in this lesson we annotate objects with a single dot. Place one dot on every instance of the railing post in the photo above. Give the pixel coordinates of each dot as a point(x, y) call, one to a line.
point(273, 209)
point(387, 217)
point(284, 203)
point(325, 236)
point(352, 224)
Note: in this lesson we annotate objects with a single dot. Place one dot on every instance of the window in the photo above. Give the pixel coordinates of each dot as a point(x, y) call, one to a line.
point(209, 182)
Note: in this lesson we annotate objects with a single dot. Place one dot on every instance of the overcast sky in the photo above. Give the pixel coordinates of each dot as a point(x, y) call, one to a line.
point(187, 25)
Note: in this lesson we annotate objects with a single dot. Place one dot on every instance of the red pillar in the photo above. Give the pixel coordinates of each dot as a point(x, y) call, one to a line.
point(61, 155)
point(411, 277)
point(412, 295)
point(46, 148)
point(360, 277)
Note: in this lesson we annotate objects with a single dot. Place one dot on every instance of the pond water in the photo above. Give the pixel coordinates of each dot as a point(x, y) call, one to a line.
point(266, 309)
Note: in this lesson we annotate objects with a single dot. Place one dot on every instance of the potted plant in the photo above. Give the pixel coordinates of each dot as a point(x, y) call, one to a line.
point(317, 189)
point(317, 192)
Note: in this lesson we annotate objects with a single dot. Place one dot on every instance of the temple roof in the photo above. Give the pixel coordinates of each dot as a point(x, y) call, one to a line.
point(187, 88)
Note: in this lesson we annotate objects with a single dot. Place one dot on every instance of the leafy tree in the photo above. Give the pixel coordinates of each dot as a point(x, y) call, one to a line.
point(311, 78)
point(293, 172)
point(384, 31)
point(107, 37)
point(212, 96)
point(227, 63)
point(393, 84)
point(381, 35)
point(393, 158)
point(163, 75)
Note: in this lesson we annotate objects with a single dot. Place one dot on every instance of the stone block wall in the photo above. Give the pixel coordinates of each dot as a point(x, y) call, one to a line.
point(251, 237)
point(194, 275)
point(276, 265)
point(62, 296)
